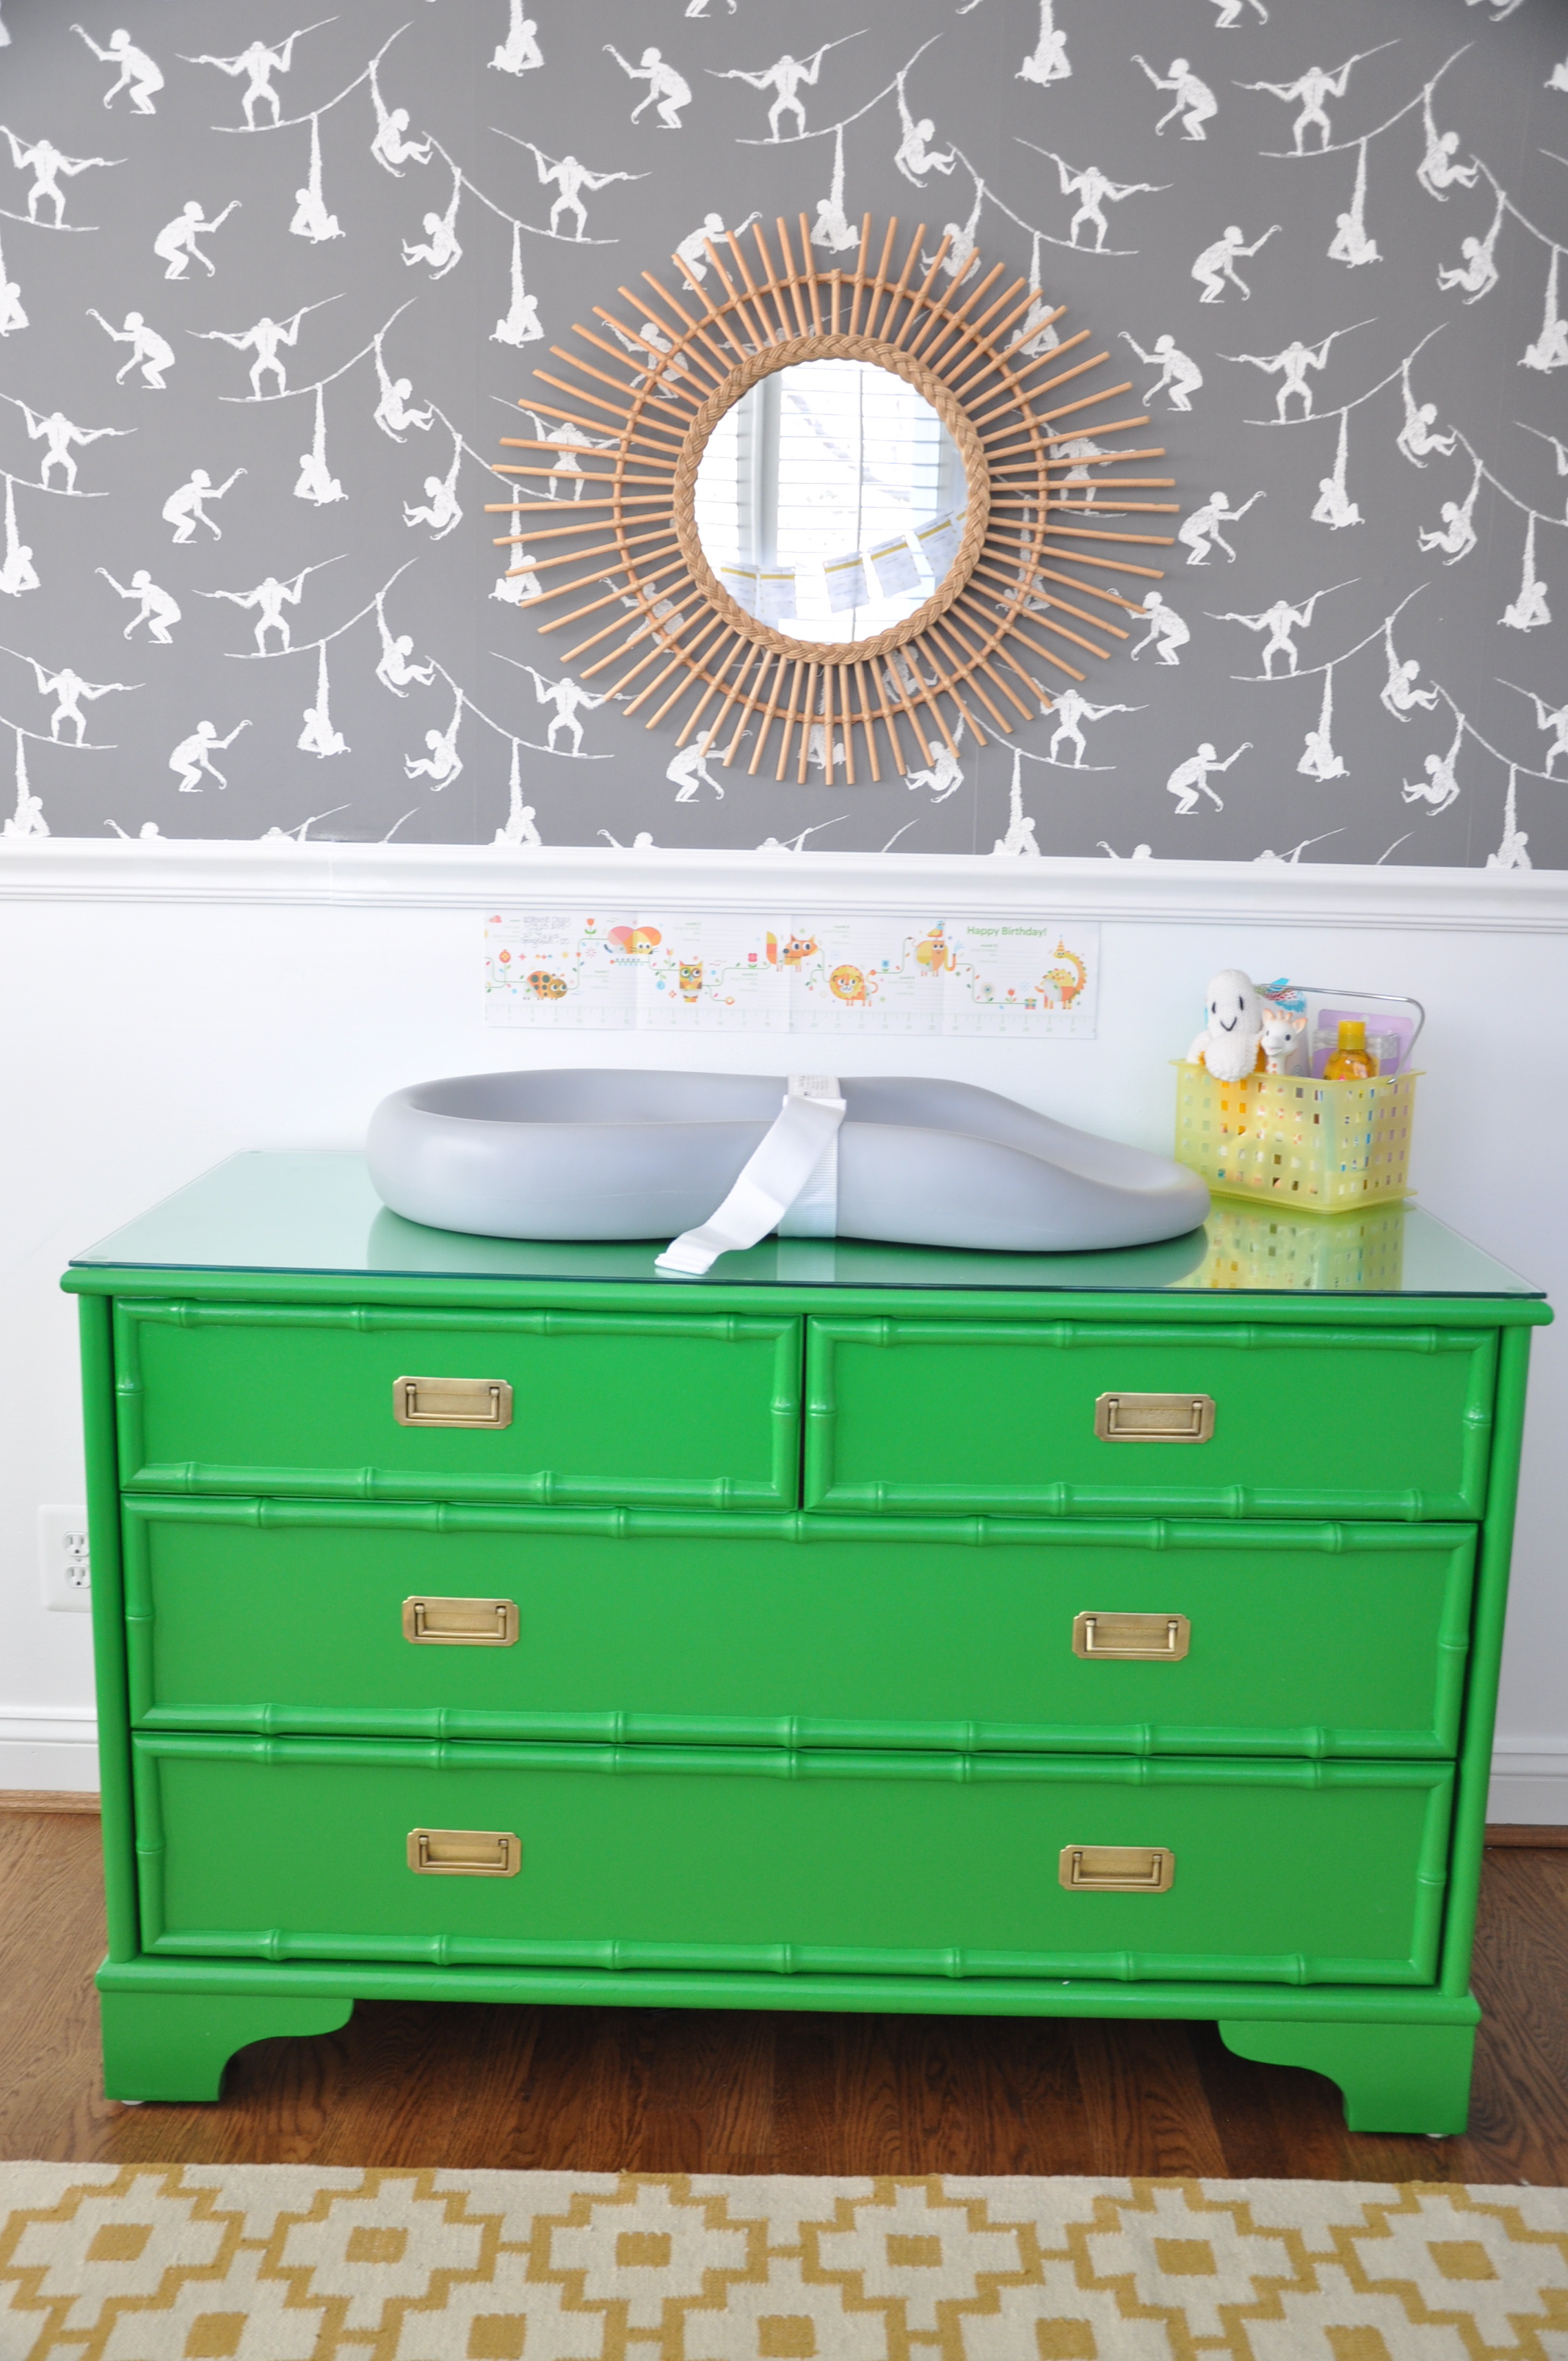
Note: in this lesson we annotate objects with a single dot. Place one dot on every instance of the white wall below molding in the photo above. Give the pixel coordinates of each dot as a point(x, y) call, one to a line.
point(167, 1006)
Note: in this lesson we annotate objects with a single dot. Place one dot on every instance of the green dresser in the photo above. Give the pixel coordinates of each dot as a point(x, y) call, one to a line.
point(858, 1628)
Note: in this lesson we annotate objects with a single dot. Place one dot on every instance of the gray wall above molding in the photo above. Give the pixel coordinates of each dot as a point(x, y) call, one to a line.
point(270, 294)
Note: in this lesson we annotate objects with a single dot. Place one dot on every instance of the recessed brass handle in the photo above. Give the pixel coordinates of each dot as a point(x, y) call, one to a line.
point(1155, 1418)
point(1117, 1869)
point(465, 1852)
point(452, 1402)
point(1134, 1639)
point(460, 1622)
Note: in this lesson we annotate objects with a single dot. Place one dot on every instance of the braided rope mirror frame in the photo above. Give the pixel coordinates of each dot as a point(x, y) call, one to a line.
point(970, 656)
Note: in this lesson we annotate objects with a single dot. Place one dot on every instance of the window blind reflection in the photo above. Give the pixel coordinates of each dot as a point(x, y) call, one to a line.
point(829, 500)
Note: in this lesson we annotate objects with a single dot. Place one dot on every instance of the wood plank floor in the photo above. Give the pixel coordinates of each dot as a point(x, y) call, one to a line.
point(685, 2091)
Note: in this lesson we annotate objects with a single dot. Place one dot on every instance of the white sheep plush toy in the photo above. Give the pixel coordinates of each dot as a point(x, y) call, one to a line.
point(1229, 1044)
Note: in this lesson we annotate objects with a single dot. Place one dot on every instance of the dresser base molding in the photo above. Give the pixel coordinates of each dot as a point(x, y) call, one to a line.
point(1402, 2057)
point(174, 2045)
point(1395, 2077)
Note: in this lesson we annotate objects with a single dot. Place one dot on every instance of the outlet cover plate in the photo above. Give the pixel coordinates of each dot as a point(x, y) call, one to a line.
point(64, 1566)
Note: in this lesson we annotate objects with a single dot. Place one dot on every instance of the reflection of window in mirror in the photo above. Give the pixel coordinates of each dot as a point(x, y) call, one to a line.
point(829, 500)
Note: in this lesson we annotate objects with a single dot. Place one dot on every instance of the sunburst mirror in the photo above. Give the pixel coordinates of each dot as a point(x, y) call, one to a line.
point(816, 503)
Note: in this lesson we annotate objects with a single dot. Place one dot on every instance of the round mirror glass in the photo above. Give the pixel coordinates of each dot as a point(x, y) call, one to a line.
point(829, 500)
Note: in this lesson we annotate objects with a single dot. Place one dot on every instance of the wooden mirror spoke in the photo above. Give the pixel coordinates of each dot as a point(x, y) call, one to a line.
point(623, 421)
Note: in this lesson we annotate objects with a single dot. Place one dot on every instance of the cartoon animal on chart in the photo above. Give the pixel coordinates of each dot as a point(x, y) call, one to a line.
point(849, 984)
point(1070, 981)
point(933, 956)
point(544, 986)
point(634, 942)
point(798, 948)
point(1229, 1044)
point(691, 981)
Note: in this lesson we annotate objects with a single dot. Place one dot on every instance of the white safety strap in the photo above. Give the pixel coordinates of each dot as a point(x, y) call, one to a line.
point(797, 1165)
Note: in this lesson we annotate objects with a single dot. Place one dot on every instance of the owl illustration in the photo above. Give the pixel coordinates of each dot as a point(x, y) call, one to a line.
point(691, 979)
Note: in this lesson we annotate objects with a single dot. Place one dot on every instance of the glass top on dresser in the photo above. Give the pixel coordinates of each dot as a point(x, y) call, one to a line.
point(282, 1213)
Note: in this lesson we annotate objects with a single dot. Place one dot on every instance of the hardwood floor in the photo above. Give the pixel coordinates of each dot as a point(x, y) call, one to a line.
point(666, 2091)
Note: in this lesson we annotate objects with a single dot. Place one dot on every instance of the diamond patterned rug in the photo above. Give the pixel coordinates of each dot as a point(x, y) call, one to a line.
point(292, 2263)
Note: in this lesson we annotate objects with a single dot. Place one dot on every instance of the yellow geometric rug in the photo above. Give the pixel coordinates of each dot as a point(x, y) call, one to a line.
point(291, 2262)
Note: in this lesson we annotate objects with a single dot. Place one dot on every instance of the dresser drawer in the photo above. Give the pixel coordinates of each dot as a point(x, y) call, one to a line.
point(395, 1404)
point(300, 1849)
point(1065, 1419)
point(648, 1627)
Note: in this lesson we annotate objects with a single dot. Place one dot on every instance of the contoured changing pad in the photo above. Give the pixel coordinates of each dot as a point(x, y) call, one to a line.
point(587, 1153)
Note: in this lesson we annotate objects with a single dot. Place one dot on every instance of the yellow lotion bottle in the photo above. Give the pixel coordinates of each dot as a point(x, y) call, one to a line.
point(1352, 1062)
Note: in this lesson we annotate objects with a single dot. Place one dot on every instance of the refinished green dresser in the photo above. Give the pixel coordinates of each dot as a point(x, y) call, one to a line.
point(859, 1628)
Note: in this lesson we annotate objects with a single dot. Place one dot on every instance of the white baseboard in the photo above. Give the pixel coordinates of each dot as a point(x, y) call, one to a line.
point(49, 1748)
point(56, 1748)
point(1529, 1784)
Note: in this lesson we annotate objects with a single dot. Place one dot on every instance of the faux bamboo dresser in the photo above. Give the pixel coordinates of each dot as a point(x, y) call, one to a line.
point(860, 1628)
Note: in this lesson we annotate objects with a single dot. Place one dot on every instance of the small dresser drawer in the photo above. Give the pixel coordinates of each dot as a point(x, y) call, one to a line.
point(890, 1864)
point(1101, 1418)
point(1159, 1638)
point(374, 1403)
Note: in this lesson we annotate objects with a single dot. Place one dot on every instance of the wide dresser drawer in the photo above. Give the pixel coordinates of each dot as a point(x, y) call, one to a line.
point(1104, 1419)
point(1167, 1637)
point(389, 1403)
point(914, 1864)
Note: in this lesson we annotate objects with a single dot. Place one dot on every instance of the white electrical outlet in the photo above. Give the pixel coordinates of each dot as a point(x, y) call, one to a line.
point(63, 1561)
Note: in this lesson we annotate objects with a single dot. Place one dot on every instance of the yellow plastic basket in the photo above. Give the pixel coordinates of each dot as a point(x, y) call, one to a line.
point(1286, 1140)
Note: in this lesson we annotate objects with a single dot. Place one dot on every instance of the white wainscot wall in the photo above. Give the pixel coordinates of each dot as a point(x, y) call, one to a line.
point(166, 1005)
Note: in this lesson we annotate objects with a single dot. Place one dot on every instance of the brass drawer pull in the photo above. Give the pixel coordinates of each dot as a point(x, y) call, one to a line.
point(460, 1622)
point(1117, 1869)
point(465, 1852)
point(451, 1402)
point(1135, 1639)
point(1155, 1418)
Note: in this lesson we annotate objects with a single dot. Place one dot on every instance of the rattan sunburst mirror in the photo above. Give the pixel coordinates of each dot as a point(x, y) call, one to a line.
point(967, 606)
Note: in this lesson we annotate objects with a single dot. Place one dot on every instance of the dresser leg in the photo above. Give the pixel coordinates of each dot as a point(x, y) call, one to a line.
point(1395, 2077)
point(175, 2044)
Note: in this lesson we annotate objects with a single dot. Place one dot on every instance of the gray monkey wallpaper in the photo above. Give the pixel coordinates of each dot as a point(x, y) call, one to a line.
point(271, 287)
